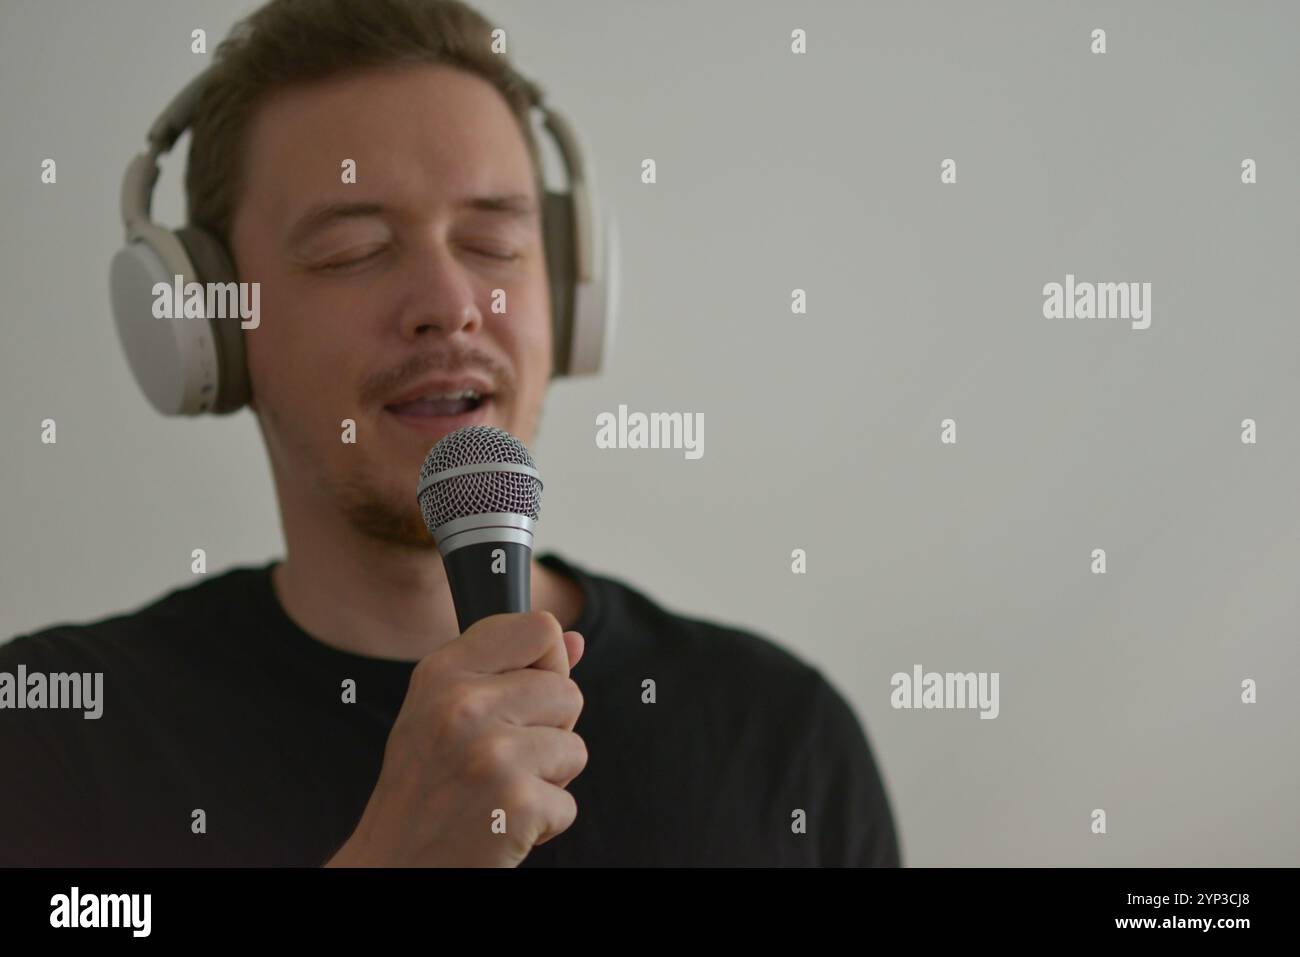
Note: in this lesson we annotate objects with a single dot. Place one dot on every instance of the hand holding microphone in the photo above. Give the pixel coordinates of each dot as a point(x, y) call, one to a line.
point(487, 724)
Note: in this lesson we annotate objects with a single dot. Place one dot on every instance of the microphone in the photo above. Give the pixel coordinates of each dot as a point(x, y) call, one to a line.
point(480, 495)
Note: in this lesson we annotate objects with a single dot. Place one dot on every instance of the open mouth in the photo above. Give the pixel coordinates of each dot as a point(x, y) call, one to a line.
point(435, 415)
point(441, 406)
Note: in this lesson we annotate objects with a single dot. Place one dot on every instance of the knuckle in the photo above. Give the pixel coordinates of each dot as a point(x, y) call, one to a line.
point(570, 807)
point(546, 623)
point(425, 672)
point(517, 792)
point(463, 705)
point(492, 756)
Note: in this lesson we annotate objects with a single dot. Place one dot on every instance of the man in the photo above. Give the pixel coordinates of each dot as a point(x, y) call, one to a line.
point(325, 709)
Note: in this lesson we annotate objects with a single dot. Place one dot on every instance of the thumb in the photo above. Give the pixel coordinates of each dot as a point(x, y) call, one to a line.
point(574, 644)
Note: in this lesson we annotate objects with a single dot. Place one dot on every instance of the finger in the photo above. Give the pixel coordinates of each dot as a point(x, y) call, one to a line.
point(532, 697)
point(548, 753)
point(575, 645)
point(506, 642)
point(556, 656)
point(558, 810)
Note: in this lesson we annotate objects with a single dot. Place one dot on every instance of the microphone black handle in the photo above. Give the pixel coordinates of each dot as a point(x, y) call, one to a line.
point(478, 590)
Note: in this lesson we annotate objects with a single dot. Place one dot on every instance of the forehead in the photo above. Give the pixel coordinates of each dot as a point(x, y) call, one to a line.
point(426, 133)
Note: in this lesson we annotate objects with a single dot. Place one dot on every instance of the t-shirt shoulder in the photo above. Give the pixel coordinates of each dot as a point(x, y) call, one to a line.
point(752, 696)
point(169, 617)
point(154, 678)
point(733, 671)
point(640, 622)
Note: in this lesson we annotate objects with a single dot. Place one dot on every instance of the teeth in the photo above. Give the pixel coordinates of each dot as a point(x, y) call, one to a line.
point(463, 394)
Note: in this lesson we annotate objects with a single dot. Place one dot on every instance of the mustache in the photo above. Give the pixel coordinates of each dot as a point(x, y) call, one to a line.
point(380, 386)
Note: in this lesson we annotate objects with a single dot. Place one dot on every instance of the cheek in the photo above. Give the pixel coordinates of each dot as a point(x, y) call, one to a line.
point(526, 346)
point(528, 336)
point(295, 359)
point(531, 341)
point(261, 350)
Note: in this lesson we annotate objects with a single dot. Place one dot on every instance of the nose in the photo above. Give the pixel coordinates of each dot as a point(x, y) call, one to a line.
point(442, 295)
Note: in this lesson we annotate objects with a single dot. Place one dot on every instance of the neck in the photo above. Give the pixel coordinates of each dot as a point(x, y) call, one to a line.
point(378, 599)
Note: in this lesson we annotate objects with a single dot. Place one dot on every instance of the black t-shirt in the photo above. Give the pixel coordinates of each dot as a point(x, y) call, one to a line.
point(214, 699)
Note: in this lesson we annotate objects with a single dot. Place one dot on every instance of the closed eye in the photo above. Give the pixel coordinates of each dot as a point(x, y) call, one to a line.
point(344, 264)
point(357, 260)
point(504, 257)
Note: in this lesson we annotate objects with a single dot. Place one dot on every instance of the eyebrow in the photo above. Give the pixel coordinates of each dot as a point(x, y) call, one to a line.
point(517, 206)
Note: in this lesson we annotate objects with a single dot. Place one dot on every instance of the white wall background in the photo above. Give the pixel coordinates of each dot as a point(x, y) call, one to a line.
point(822, 431)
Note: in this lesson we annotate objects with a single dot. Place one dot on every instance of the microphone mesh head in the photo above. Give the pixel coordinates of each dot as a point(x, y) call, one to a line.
point(478, 492)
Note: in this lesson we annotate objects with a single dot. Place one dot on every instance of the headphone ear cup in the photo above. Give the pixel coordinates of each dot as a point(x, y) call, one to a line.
point(561, 268)
point(212, 264)
point(595, 306)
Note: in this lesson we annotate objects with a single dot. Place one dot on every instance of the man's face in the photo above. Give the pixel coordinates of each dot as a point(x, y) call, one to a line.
point(392, 297)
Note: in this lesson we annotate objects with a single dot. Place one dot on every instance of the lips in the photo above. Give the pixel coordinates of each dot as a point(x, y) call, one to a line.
point(442, 389)
point(440, 405)
point(436, 414)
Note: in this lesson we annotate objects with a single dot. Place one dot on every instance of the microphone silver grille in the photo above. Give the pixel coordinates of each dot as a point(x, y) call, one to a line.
point(477, 492)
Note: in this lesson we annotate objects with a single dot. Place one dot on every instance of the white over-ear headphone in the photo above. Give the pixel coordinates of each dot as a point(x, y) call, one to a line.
point(197, 365)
